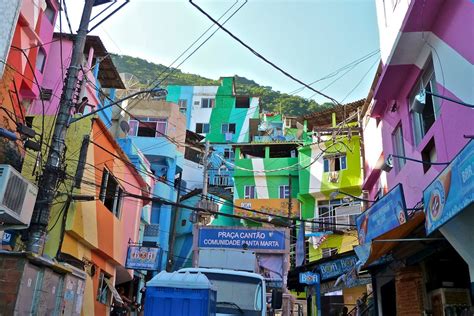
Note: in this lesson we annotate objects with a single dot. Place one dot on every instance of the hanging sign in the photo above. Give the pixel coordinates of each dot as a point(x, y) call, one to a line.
point(143, 258)
point(384, 215)
point(309, 278)
point(451, 192)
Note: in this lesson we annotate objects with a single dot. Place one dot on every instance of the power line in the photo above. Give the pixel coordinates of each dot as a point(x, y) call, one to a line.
point(262, 57)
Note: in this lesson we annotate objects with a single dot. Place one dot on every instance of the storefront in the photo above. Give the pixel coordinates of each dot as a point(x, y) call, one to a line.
point(427, 256)
point(340, 285)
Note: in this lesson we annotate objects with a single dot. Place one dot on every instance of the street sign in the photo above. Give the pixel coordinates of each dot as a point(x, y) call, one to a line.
point(309, 278)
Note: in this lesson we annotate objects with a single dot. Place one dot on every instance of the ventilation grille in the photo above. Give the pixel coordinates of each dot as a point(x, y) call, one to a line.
point(14, 193)
point(152, 230)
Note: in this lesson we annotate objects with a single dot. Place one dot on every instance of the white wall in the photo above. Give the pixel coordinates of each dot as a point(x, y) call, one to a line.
point(193, 175)
point(198, 114)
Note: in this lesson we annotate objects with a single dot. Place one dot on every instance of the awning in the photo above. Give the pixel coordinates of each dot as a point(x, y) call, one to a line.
point(379, 246)
point(115, 294)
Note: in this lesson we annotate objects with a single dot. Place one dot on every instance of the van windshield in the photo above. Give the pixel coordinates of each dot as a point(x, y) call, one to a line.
point(237, 295)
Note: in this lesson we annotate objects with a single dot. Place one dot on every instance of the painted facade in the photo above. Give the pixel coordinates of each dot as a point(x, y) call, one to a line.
point(27, 29)
point(221, 116)
point(160, 136)
point(96, 233)
point(423, 46)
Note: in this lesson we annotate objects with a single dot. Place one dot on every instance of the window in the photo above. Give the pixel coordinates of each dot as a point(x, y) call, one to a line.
point(398, 147)
point(242, 102)
point(103, 291)
point(183, 105)
point(203, 128)
point(228, 128)
point(422, 122)
point(49, 12)
point(111, 194)
point(207, 102)
point(148, 127)
point(229, 153)
point(335, 163)
point(429, 154)
point(249, 192)
point(290, 122)
point(284, 192)
point(328, 252)
point(329, 215)
point(40, 59)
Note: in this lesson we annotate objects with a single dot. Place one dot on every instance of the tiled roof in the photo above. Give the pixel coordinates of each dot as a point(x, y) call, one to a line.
point(324, 118)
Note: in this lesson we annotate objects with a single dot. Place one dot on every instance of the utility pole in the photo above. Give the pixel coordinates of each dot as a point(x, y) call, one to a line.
point(205, 173)
point(53, 169)
point(174, 219)
point(204, 203)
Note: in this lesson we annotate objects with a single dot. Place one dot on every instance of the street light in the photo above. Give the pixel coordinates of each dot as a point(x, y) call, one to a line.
point(420, 100)
point(388, 163)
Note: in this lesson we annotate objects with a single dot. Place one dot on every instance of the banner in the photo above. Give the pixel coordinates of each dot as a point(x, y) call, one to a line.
point(143, 258)
point(271, 268)
point(251, 239)
point(384, 215)
point(300, 246)
point(451, 191)
point(337, 267)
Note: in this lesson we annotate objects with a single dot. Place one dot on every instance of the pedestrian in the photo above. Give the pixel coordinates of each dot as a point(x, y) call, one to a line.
point(345, 311)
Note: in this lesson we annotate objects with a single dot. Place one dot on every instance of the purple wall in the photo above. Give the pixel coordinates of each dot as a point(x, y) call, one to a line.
point(448, 25)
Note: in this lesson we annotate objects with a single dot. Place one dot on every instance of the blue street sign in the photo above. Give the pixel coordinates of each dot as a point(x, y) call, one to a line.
point(309, 278)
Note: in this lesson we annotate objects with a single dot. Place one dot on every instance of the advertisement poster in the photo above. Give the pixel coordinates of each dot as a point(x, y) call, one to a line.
point(143, 258)
point(384, 215)
point(271, 268)
point(451, 191)
point(251, 239)
point(337, 267)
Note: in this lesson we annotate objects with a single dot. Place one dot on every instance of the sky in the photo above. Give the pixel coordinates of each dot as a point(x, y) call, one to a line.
point(308, 38)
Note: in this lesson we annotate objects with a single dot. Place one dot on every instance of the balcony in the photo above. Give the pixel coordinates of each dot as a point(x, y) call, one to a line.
point(277, 207)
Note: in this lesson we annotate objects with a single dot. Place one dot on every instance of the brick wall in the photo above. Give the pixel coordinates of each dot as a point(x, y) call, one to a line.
point(11, 270)
point(409, 290)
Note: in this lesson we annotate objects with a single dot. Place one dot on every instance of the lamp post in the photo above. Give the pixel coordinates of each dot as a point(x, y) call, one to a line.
point(388, 163)
point(420, 100)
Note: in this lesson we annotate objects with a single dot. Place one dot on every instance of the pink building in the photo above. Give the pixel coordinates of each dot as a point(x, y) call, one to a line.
point(425, 45)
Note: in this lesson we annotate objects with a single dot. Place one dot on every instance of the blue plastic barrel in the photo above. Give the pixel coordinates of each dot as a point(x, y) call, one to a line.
point(180, 294)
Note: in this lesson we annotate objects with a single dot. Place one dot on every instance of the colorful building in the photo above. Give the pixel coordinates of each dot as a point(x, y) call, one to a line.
point(158, 130)
point(423, 49)
point(219, 114)
point(330, 179)
point(266, 171)
point(27, 30)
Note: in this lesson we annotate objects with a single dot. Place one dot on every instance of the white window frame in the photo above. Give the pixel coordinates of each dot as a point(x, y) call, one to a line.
point(203, 129)
point(398, 147)
point(249, 192)
point(428, 82)
point(183, 105)
point(208, 103)
point(229, 153)
point(285, 189)
point(327, 160)
point(148, 120)
point(225, 128)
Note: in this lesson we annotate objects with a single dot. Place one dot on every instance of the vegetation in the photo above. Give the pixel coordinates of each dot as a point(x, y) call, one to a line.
point(270, 100)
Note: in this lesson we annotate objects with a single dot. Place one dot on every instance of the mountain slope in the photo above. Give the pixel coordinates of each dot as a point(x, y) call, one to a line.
point(270, 99)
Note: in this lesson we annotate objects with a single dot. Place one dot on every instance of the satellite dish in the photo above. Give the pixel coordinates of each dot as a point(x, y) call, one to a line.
point(124, 126)
point(132, 85)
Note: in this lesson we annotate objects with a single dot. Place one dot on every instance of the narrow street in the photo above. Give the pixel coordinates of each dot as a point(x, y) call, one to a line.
point(246, 157)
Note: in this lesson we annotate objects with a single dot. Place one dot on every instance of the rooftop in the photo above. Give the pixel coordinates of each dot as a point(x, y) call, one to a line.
point(324, 118)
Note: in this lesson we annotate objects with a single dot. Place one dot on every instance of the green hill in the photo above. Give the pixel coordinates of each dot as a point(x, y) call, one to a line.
point(270, 99)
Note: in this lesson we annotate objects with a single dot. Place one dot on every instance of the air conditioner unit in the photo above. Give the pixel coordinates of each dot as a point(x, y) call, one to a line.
point(17, 199)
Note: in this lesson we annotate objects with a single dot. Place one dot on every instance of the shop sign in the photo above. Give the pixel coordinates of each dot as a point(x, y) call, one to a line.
point(451, 191)
point(337, 267)
point(251, 239)
point(384, 215)
point(309, 278)
point(143, 258)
